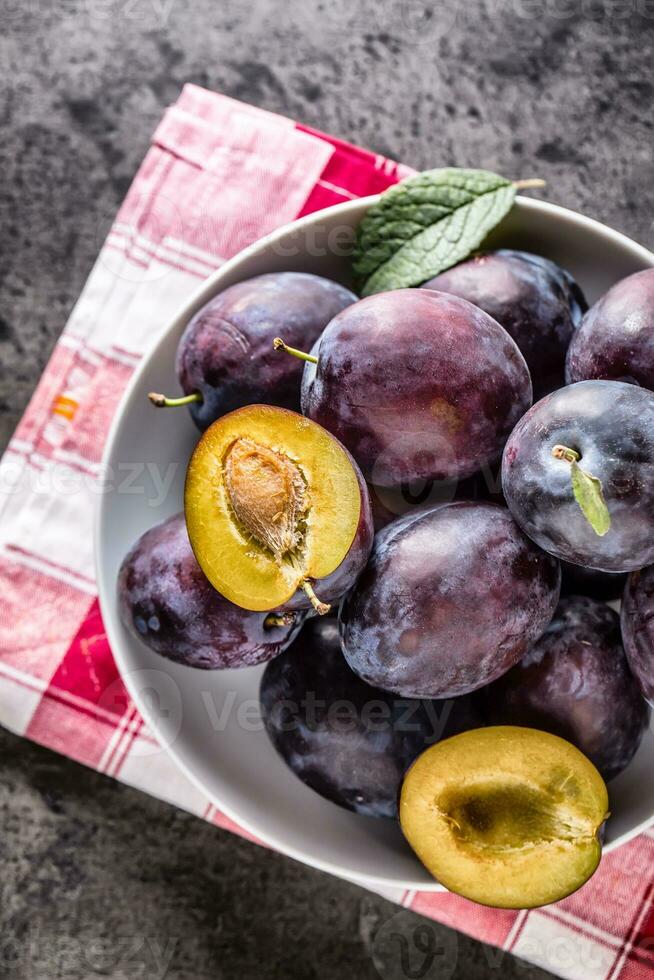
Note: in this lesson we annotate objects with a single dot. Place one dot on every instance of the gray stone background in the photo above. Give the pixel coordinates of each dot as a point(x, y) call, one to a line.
point(97, 879)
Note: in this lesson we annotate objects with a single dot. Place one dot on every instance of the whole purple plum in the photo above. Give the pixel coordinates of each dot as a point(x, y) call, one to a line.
point(166, 601)
point(575, 682)
point(418, 385)
point(452, 597)
point(346, 740)
point(616, 338)
point(226, 353)
point(537, 302)
point(609, 427)
point(637, 619)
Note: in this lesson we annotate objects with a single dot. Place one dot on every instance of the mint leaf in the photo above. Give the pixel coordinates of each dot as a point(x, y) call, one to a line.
point(588, 494)
point(427, 224)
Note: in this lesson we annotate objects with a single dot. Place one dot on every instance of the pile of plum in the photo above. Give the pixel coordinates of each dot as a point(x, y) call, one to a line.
point(470, 631)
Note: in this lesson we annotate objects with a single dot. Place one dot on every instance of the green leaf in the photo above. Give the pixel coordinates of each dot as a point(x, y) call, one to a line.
point(588, 494)
point(427, 224)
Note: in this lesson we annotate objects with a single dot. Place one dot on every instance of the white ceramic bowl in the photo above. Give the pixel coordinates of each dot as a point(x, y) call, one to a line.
point(207, 720)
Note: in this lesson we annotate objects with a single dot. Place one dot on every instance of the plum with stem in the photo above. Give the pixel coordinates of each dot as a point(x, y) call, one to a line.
point(418, 385)
point(578, 475)
point(225, 358)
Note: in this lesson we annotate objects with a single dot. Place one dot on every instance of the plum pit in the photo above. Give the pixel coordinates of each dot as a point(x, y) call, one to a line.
point(268, 495)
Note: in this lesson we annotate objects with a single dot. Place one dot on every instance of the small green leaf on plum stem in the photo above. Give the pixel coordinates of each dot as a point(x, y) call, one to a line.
point(588, 494)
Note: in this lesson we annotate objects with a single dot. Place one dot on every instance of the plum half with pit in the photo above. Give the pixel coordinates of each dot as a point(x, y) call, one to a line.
point(506, 816)
point(225, 357)
point(536, 301)
point(346, 740)
point(578, 475)
point(166, 601)
point(637, 621)
point(575, 682)
point(418, 385)
point(277, 511)
point(451, 598)
point(615, 340)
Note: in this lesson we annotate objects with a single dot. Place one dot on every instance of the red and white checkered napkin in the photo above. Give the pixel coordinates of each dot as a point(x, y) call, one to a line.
point(218, 176)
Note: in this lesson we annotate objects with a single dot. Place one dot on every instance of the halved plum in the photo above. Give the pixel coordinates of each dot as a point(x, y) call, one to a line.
point(507, 817)
point(167, 602)
point(275, 504)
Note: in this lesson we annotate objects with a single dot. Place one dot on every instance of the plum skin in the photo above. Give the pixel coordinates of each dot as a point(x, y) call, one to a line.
point(167, 603)
point(346, 740)
point(575, 682)
point(226, 351)
point(451, 598)
point(615, 340)
point(637, 623)
point(418, 385)
point(611, 424)
point(536, 301)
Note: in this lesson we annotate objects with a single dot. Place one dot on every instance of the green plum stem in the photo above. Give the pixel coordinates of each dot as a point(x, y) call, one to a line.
point(321, 607)
point(161, 401)
point(587, 491)
point(564, 452)
point(531, 183)
point(279, 344)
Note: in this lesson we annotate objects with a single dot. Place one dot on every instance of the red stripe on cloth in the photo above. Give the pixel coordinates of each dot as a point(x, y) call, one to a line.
point(89, 672)
point(356, 171)
point(629, 948)
point(624, 875)
point(488, 925)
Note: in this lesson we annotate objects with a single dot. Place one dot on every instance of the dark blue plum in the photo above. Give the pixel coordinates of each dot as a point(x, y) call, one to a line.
point(226, 352)
point(536, 301)
point(610, 425)
point(452, 597)
point(346, 740)
point(616, 338)
point(166, 601)
point(575, 682)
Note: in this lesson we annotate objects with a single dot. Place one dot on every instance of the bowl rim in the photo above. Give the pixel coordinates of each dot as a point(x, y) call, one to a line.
point(205, 291)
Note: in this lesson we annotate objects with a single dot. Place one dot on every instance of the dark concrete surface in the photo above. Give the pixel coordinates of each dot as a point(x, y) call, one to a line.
point(96, 879)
